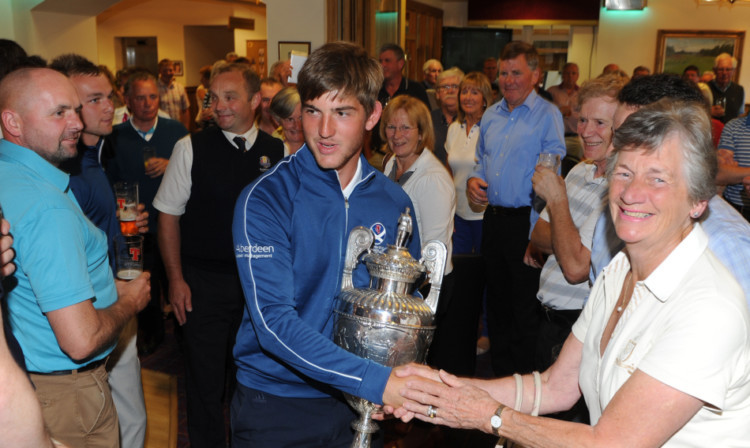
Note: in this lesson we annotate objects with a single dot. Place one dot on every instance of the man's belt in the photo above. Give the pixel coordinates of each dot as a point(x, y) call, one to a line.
point(564, 318)
point(508, 211)
point(86, 368)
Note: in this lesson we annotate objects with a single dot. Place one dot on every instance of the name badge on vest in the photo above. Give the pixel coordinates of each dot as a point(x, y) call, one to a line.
point(265, 163)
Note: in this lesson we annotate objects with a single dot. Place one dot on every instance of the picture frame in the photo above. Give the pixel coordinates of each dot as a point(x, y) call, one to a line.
point(178, 68)
point(676, 49)
point(286, 48)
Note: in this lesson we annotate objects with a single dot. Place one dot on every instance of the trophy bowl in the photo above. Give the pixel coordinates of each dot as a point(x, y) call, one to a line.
point(385, 322)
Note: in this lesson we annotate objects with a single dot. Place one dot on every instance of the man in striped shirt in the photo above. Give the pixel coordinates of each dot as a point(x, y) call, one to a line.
point(735, 171)
point(172, 96)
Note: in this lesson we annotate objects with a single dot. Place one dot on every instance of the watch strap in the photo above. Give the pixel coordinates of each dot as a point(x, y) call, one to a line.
point(497, 413)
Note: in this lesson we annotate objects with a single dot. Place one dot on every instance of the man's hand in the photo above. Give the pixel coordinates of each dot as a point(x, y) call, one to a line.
point(6, 251)
point(181, 299)
point(136, 292)
point(156, 166)
point(717, 111)
point(533, 257)
point(547, 184)
point(726, 157)
point(396, 383)
point(142, 220)
point(477, 189)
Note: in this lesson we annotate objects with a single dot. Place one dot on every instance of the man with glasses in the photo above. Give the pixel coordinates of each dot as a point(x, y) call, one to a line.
point(729, 97)
point(446, 94)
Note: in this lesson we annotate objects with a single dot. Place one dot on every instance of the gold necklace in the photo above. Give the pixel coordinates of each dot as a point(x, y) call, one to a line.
point(625, 293)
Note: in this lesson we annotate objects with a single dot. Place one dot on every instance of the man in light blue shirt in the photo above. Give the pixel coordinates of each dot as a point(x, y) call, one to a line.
point(65, 309)
point(513, 133)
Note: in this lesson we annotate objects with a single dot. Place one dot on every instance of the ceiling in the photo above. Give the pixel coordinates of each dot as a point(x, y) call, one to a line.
point(96, 7)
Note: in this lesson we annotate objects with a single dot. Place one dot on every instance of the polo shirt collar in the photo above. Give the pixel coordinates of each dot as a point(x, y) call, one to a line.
point(588, 175)
point(669, 274)
point(33, 161)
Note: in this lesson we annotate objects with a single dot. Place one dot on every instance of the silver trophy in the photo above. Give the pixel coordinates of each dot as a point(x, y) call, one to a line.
point(384, 322)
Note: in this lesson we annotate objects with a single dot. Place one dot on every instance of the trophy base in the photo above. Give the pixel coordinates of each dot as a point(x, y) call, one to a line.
point(363, 427)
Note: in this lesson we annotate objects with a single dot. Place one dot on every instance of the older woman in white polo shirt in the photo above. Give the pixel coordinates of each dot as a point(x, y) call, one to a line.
point(661, 351)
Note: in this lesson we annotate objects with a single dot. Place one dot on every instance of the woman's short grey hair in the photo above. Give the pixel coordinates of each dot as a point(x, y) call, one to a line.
point(284, 102)
point(450, 73)
point(648, 128)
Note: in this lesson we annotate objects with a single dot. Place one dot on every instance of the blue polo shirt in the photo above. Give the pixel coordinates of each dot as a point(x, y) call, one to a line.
point(61, 257)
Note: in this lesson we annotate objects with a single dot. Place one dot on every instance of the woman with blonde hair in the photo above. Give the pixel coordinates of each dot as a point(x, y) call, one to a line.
point(286, 109)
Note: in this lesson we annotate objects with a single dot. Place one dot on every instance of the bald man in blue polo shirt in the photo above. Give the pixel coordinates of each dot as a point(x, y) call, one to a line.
point(66, 309)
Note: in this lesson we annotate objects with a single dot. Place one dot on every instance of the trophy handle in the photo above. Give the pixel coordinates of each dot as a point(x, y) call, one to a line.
point(360, 240)
point(434, 256)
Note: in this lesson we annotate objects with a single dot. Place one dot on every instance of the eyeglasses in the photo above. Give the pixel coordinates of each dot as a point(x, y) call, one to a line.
point(448, 87)
point(390, 129)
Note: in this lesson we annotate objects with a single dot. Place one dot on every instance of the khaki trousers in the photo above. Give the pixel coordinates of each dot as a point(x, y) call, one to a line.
point(78, 408)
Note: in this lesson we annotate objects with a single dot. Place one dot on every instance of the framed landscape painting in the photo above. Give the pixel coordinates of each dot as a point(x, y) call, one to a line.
point(676, 49)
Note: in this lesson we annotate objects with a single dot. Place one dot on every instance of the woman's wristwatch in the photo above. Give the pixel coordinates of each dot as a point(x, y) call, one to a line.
point(496, 421)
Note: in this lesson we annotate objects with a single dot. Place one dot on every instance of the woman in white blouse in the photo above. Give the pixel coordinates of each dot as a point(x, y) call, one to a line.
point(474, 95)
point(406, 127)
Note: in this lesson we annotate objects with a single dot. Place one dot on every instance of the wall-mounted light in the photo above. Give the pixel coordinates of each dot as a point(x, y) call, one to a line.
point(625, 5)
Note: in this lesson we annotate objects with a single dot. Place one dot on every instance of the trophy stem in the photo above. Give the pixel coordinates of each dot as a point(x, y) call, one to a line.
point(363, 429)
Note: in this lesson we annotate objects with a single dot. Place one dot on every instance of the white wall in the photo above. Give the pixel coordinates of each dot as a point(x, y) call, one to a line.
point(44, 33)
point(7, 30)
point(165, 20)
point(628, 38)
point(296, 21)
point(580, 50)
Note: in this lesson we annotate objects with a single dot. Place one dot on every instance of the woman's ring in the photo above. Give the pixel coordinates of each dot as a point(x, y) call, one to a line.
point(431, 412)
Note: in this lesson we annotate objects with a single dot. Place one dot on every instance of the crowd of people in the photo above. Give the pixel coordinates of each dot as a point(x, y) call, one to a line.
point(612, 285)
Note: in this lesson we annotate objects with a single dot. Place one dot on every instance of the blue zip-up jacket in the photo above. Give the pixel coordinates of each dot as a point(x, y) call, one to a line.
point(290, 233)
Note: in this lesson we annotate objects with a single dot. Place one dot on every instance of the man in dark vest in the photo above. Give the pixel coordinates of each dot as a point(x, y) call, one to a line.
point(729, 97)
point(205, 175)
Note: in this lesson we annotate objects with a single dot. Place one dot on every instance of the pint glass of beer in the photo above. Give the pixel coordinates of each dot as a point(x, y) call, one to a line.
point(127, 206)
point(128, 256)
point(149, 152)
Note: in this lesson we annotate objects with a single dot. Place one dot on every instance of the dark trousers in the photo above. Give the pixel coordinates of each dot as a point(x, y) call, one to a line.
point(261, 420)
point(512, 307)
point(150, 320)
point(207, 340)
point(454, 345)
point(554, 329)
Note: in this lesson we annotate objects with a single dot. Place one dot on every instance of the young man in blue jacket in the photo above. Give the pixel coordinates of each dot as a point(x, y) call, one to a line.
point(290, 234)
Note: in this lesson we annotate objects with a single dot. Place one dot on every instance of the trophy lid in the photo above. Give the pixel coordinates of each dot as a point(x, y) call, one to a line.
point(396, 263)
